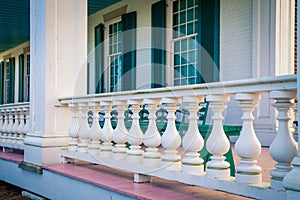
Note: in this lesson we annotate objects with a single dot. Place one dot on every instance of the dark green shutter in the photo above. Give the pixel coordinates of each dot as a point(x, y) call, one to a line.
point(1, 81)
point(99, 58)
point(158, 55)
point(21, 78)
point(129, 51)
point(11, 94)
point(208, 38)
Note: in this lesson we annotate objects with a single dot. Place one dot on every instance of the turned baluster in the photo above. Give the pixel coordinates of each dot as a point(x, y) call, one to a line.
point(95, 130)
point(83, 131)
point(27, 119)
point(14, 129)
point(135, 134)
point(120, 133)
point(217, 142)
point(106, 136)
point(5, 124)
point(73, 131)
point(171, 139)
point(1, 124)
point(248, 147)
point(152, 138)
point(21, 127)
point(283, 148)
point(9, 126)
point(192, 141)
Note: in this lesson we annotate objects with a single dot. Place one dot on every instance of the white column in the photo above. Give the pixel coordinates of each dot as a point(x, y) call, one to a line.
point(217, 142)
point(192, 141)
point(83, 131)
point(5, 124)
point(120, 133)
point(152, 137)
point(1, 123)
point(14, 129)
point(20, 127)
point(283, 148)
point(73, 131)
point(248, 146)
point(171, 139)
point(135, 134)
point(58, 54)
point(10, 126)
point(95, 130)
point(106, 136)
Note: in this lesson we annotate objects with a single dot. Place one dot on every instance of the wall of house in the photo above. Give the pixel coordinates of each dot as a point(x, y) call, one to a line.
point(15, 52)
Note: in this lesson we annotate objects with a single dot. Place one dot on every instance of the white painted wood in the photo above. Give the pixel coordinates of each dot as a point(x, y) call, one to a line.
point(106, 136)
point(192, 141)
point(217, 142)
point(15, 126)
point(83, 131)
point(248, 146)
point(9, 126)
point(119, 135)
point(73, 130)
point(170, 139)
point(95, 130)
point(135, 134)
point(27, 117)
point(1, 123)
point(20, 127)
point(152, 138)
point(283, 148)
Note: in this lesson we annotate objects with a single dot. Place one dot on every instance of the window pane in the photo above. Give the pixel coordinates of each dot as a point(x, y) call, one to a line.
point(190, 15)
point(184, 71)
point(175, 6)
point(183, 45)
point(190, 28)
point(184, 58)
point(183, 29)
point(177, 47)
point(182, 4)
point(190, 3)
point(182, 17)
point(175, 19)
point(176, 59)
point(177, 72)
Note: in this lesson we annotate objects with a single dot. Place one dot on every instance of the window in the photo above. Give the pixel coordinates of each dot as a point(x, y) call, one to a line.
point(24, 77)
point(27, 78)
point(115, 56)
point(8, 81)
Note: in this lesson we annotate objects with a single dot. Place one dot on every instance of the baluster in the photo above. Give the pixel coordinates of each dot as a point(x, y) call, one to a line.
point(217, 142)
point(192, 141)
point(73, 131)
point(283, 148)
point(83, 131)
point(14, 129)
point(95, 130)
point(27, 121)
point(248, 146)
point(106, 136)
point(1, 124)
point(152, 137)
point(135, 134)
point(120, 132)
point(5, 124)
point(21, 127)
point(170, 138)
point(9, 126)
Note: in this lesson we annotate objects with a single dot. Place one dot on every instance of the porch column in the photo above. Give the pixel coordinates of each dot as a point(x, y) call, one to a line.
point(58, 52)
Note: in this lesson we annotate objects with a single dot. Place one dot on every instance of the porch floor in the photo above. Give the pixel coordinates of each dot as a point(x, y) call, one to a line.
point(122, 182)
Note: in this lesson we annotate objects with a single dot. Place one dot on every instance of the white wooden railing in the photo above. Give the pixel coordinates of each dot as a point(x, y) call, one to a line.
point(14, 125)
point(160, 157)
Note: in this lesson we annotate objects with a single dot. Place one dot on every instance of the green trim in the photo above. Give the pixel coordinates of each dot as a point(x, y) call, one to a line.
point(21, 78)
point(218, 168)
point(99, 59)
point(128, 24)
point(11, 94)
point(248, 173)
point(1, 81)
point(158, 40)
point(31, 167)
point(189, 164)
point(166, 160)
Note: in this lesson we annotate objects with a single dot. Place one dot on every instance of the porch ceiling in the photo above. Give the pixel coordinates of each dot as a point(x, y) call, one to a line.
point(14, 20)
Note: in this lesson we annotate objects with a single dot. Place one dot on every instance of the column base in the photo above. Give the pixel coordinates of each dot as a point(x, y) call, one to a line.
point(218, 172)
point(248, 178)
point(276, 184)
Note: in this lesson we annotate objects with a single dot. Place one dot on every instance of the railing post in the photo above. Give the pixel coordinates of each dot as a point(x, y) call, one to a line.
point(73, 131)
point(95, 130)
point(248, 146)
point(1, 124)
point(192, 141)
point(27, 124)
point(5, 124)
point(20, 127)
point(9, 126)
point(152, 138)
point(171, 139)
point(83, 131)
point(14, 129)
point(283, 148)
point(120, 132)
point(135, 134)
point(106, 136)
point(217, 142)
